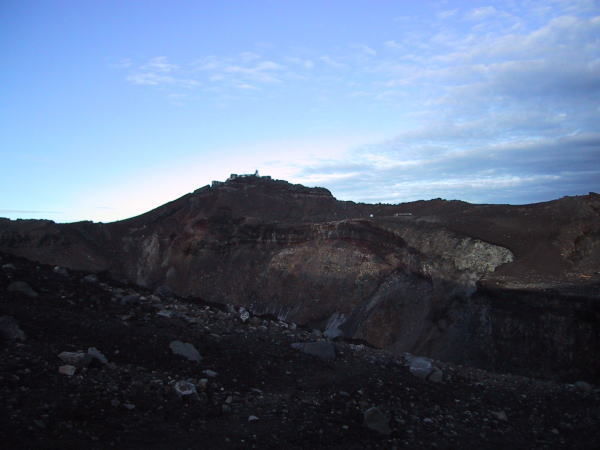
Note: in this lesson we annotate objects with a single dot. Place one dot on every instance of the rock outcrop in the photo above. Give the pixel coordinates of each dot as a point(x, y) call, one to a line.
point(433, 278)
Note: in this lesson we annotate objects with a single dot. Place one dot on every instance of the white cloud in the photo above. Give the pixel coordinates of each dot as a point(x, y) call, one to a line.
point(263, 71)
point(506, 111)
point(159, 64)
point(447, 13)
point(365, 49)
point(393, 44)
point(482, 12)
point(331, 62)
point(154, 79)
point(249, 56)
point(304, 63)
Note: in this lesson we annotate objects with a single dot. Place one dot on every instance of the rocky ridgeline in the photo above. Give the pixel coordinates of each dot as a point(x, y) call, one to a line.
point(89, 362)
point(507, 288)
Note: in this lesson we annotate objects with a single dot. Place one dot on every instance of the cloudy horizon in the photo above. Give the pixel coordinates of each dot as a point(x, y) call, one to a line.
point(113, 108)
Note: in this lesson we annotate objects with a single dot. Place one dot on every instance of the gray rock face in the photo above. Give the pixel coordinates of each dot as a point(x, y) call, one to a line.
point(10, 330)
point(376, 420)
point(186, 350)
point(322, 350)
point(22, 288)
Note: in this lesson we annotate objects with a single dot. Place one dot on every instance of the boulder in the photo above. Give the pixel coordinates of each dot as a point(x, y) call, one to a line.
point(91, 279)
point(420, 367)
point(96, 355)
point(132, 299)
point(67, 370)
point(376, 420)
point(79, 359)
point(22, 288)
point(321, 349)
point(61, 271)
point(184, 388)
point(186, 350)
point(10, 330)
point(164, 291)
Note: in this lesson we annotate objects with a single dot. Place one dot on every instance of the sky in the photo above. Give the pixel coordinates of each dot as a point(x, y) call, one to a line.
point(111, 108)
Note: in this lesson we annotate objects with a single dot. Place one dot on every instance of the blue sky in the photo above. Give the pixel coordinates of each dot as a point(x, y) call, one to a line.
point(110, 108)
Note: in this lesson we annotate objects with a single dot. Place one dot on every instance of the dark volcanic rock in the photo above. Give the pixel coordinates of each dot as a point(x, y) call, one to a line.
point(377, 421)
point(10, 330)
point(185, 349)
point(322, 350)
point(22, 288)
point(266, 394)
point(424, 283)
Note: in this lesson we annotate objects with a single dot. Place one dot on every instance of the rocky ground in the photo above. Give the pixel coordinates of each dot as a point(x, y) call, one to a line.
point(86, 362)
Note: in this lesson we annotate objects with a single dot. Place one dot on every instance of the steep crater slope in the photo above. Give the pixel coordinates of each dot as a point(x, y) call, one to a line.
point(445, 279)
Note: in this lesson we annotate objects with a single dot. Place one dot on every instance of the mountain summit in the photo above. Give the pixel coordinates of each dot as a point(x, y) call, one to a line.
point(422, 277)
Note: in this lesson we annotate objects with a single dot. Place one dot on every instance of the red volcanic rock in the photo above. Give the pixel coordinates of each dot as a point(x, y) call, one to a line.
point(447, 279)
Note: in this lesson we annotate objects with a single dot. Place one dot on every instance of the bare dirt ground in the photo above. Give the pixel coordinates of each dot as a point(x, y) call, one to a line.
point(250, 389)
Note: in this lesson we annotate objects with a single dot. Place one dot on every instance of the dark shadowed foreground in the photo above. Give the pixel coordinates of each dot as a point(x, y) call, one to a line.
point(87, 363)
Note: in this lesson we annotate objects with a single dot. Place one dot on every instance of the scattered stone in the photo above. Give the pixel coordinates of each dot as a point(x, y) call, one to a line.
point(436, 376)
point(210, 373)
point(184, 388)
point(583, 386)
point(8, 266)
point(78, 359)
point(132, 299)
point(422, 367)
point(255, 321)
point(67, 369)
point(500, 415)
point(252, 418)
point(164, 291)
point(63, 272)
point(91, 279)
point(321, 349)
point(97, 355)
point(244, 315)
point(10, 330)
point(165, 313)
point(22, 288)
point(128, 406)
point(203, 384)
point(186, 350)
point(376, 420)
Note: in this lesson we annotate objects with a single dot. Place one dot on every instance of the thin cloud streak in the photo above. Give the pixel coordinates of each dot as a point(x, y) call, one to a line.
point(504, 110)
